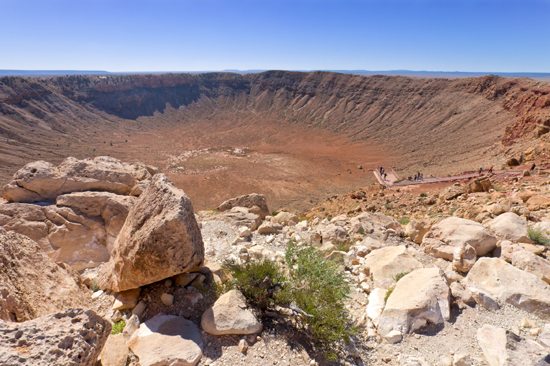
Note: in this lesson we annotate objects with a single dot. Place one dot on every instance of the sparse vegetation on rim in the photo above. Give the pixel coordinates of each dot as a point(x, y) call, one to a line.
point(316, 287)
point(538, 236)
point(118, 327)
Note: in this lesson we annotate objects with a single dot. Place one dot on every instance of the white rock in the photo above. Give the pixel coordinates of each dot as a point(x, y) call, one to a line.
point(509, 284)
point(384, 264)
point(167, 340)
point(376, 304)
point(394, 336)
point(504, 348)
point(452, 232)
point(229, 315)
point(419, 298)
point(510, 226)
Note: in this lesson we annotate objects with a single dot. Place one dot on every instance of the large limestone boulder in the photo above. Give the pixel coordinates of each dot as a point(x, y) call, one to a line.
point(31, 284)
point(284, 218)
point(532, 263)
point(333, 233)
point(111, 208)
point(385, 263)
point(419, 298)
point(504, 348)
point(451, 192)
point(416, 229)
point(482, 184)
point(537, 202)
point(160, 239)
point(452, 232)
point(28, 220)
point(79, 231)
point(167, 340)
point(80, 240)
point(229, 315)
point(72, 337)
point(509, 284)
point(375, 220)
point(248, 201)
point(240, 216)
point(509, 226)
point(42, 181)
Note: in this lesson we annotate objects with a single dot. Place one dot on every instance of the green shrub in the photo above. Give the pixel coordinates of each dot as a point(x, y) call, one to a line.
point(388, 294)
point(400, 276)
point(320, 288)
point(388, 206)
point(538, 236)
point(423, 194)
point(95, 287)
point(362, 231)
point(404, 221)
point(316, 288)
point(118, 327)
point(255, 280)
point(344, 246)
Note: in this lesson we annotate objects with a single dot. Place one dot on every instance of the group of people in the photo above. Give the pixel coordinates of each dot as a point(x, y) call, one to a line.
point(383, 173)
point(417, 176)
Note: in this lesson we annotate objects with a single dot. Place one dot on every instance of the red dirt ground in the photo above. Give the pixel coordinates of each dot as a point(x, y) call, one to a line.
point(293, 166)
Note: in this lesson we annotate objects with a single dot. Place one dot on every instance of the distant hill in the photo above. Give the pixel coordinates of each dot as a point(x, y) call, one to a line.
point(540, 76)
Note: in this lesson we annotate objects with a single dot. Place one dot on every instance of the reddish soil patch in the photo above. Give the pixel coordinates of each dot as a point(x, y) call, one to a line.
point(293, 166)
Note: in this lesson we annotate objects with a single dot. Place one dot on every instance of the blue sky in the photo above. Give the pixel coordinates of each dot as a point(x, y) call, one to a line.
point(192, 35)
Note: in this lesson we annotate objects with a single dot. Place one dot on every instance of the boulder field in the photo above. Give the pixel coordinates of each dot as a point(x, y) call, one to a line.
point(99, 256)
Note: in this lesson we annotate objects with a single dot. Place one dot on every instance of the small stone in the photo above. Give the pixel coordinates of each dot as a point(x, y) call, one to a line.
point(168, 283)
point(394, 336)
point(527, 323)
point(199, 280)
point(243, 346)
point(462, 360)
point(126, 299)
point(167, 299)
point(97, 294)
point(117, 316)
point(445, 361)
point(244, 232)
point(535, 331)
point(140, 308)
point(131, 326)
point(185, 278)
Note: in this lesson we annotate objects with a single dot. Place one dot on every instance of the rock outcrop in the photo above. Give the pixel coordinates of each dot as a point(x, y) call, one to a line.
point(509, 226)
point(42, 181)
point(159, 239)
point(452, 232)
point(72, 337)
point(509, 284)
point(532, 263)
point(241, 216)
point(248, 201)
point(505, 348)
point(31, 284)
point(385, 263)
point(419, 298)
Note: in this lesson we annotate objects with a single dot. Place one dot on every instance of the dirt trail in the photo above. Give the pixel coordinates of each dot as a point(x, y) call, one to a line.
point(392, 183)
